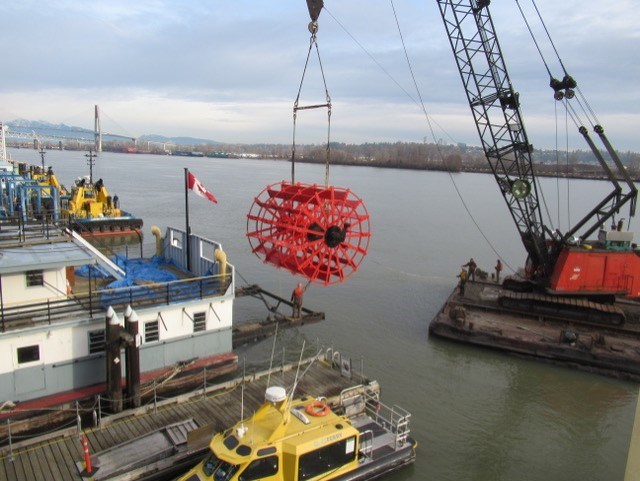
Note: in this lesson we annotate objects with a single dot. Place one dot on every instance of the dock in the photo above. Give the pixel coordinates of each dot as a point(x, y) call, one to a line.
point(192, 419)
point(477, 318)
point(249, 332)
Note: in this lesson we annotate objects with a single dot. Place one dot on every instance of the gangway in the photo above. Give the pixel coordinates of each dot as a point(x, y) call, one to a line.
point(103, 260)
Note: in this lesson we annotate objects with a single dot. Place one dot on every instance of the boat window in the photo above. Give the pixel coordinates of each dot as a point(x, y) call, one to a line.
point(265, 451)
point(176, 240)
point(35, 278)
point(28, 354)
point(219, 469)
point(230, 442)
point(199, 321)
point(243, 450)
point(97, 341)
point(202, 251)
point(326, 458)
point(260, 468)
point(151, 331)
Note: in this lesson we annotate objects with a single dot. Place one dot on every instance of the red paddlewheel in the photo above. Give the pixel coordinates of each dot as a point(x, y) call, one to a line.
point(321, 233)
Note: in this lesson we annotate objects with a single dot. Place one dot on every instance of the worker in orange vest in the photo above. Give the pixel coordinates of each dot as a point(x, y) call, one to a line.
point(296, 298)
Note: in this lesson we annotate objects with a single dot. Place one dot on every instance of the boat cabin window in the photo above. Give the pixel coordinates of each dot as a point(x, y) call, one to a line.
point(219, 469)
point(35, 278)
point(28, 354)
point(260, 468)
point(176, 239)
point(151, 332)
point(199, 321)
point(97, 341)
point(327, 458)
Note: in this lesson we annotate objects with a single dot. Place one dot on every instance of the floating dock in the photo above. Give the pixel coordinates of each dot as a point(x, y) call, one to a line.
point(170, 436)
point(249, 332)
point(477, 318)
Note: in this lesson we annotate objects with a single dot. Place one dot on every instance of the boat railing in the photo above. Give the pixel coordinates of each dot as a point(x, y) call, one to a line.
point(96, 302)
point(393, 419)
point(14, 229)
point(366, 443)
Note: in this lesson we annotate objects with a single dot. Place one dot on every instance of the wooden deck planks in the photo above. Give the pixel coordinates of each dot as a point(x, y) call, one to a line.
point(57, 458)
point(40, 465)
point(70, 453)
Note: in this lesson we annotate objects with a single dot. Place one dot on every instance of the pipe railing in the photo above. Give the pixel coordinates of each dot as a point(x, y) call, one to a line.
point(93, 302)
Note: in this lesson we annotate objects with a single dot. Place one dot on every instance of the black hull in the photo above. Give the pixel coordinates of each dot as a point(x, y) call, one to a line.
point(115, 225)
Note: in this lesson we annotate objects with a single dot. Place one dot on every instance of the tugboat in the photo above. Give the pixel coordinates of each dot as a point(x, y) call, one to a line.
point(307, 439)
point(90, 210)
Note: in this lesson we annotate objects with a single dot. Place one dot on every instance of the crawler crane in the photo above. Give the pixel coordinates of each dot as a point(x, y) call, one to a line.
point(565, 272)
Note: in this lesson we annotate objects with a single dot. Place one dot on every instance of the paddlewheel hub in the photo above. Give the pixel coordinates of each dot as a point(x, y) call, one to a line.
point(319, 232)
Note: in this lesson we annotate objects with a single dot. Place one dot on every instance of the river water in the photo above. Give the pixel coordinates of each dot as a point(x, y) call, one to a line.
point(477, 414)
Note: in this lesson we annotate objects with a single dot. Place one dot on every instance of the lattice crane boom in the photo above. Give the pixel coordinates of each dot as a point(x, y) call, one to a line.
point(496, 110)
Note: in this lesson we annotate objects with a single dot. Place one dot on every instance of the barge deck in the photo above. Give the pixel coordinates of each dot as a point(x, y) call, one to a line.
point(477, 318)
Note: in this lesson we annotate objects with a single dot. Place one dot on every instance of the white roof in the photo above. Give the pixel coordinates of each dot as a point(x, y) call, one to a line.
point(43, 257)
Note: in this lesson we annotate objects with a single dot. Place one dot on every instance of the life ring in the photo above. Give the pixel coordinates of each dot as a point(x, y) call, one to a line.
point(317, 408)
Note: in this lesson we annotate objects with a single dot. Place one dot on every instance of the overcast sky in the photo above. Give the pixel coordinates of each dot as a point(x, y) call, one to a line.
point(230, 70)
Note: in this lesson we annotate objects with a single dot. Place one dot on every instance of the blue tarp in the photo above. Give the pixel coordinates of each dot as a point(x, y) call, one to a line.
point(148, 270)
point(140, 272)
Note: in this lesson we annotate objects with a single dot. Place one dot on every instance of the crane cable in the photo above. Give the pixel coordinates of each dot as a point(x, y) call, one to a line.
point(569, 109)
point(313, 28)
point(581, 99)
point(440, 153)
point(386, 72)
point(551, 80)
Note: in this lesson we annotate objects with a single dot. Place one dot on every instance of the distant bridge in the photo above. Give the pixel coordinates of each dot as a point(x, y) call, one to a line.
point(80, 136)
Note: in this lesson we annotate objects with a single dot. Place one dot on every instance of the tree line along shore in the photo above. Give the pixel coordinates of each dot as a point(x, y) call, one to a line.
point(397, 155)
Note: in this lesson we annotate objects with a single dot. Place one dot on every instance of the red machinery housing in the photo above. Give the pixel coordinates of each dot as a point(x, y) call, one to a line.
point(580, 271)
point(319, 232)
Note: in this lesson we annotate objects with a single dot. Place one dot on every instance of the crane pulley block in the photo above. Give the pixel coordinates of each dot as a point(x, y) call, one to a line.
point(315, 6)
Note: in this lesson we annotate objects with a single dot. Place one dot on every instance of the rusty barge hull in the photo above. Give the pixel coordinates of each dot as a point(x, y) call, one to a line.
point(476, 318)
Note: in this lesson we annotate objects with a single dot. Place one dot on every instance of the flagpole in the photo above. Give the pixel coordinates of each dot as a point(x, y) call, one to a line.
point(186, 208)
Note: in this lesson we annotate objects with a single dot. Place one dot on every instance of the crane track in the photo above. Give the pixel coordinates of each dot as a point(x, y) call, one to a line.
point(609, 318)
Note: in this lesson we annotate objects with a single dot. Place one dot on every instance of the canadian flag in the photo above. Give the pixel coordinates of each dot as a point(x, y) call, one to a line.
point(195, 185)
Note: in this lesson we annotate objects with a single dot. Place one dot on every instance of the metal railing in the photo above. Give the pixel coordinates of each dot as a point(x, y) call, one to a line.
point(394, 419)
point(94, 302)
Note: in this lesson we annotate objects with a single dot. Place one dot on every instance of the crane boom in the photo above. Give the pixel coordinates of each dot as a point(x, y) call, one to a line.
point(496, 109)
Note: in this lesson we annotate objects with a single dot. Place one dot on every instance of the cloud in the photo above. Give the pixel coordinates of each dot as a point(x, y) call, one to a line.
point(231, 70)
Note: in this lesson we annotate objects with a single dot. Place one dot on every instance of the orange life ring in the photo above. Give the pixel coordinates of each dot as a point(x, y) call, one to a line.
point(317, 408)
